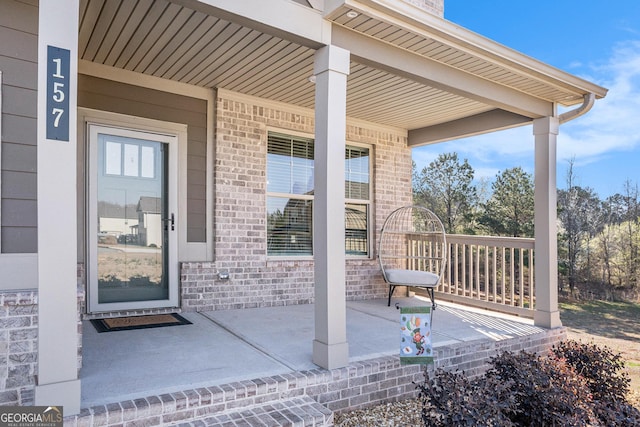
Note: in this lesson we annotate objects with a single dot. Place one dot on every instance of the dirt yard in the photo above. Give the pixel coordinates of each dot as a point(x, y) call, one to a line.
point(611, 324)
point(119, 263)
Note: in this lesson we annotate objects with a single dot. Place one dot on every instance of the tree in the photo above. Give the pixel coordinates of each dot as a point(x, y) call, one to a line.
point(445, 187)
point(632, 203)
point(617, 244)
point(580, 214)
point(510, 209)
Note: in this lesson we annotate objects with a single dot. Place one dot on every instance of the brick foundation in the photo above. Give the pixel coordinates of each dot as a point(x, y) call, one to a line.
point(360, 385)
point(19, 343)
point(18, 347)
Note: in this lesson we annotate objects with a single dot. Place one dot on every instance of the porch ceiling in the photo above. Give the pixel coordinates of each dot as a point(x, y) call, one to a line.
point(423, 34)
point(168, 40)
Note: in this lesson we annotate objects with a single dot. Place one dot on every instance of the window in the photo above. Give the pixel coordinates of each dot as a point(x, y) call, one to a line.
point(289, 195)
point(290, 168)
point(357, 195)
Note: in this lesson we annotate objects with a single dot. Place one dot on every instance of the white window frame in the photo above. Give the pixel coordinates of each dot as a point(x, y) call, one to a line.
point(117, 120)
point(301, 197)
point(368, 202)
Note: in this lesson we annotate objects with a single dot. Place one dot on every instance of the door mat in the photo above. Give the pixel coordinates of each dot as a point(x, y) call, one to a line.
point(138, 322)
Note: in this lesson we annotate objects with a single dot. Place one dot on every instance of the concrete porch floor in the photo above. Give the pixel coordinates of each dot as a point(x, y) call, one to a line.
point(229, 346)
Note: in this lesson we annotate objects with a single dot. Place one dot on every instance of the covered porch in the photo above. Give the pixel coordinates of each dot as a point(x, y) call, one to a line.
point(221, 75)
point(235, 362)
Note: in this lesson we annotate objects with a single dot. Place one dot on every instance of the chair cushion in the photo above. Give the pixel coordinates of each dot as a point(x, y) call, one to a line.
point(412, 277)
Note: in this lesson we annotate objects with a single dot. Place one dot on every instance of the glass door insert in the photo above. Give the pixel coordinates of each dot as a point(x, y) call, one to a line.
point(131, 225)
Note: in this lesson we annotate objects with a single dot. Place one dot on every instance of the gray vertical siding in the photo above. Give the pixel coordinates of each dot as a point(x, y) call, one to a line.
point(107, 95)
point(18, 63)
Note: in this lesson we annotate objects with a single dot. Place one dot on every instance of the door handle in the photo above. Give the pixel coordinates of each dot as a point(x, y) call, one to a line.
point(171, 220)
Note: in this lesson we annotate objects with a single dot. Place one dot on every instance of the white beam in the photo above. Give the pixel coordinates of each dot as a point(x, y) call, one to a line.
point(546, 247)
point(58, 383)
point(330, 347)
point(282, 18)
point(490, 121)
point(377, 54)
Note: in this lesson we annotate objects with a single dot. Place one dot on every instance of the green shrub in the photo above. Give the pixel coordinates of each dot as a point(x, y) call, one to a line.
point(576, 385)
point(451, 399)
point(605, 375)
point(547, 391)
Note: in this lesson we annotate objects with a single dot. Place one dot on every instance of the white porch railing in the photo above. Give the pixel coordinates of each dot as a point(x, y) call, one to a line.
point(490, 272)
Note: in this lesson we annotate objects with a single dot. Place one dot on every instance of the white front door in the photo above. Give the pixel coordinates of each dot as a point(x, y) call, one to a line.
point(132, 220)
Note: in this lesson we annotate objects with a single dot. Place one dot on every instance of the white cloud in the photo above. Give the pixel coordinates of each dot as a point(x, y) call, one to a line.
point(610, 129)
point(612, 125)
point(487, 173)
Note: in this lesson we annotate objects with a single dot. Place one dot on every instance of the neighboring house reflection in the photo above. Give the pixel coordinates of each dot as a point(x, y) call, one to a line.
point(115, 221)
point(291, 231)
point(150, 221)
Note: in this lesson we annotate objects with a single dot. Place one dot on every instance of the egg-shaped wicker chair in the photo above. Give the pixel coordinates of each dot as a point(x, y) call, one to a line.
point(412, 250)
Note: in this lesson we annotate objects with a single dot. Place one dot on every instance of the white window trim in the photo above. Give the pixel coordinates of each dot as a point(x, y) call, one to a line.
point(172, 140)
point(369, 202)
point(276, 194)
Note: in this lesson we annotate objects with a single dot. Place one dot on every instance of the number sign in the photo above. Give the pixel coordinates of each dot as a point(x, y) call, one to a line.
point(58, 93)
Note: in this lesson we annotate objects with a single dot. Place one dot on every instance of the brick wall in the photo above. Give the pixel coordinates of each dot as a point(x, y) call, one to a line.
point(240, 211)
point(19, 343)
point(18, 347)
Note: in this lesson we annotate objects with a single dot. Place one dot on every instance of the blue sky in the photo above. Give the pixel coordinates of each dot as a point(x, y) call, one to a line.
point(595, 40)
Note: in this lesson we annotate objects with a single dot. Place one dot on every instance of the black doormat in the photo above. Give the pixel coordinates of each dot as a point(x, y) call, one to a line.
point(138, 322)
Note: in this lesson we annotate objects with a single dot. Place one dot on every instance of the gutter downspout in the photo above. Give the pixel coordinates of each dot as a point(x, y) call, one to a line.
point(589, 100)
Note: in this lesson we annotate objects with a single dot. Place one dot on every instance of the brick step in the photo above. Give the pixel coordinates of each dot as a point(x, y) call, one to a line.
point(274, 401)
point(301, 411)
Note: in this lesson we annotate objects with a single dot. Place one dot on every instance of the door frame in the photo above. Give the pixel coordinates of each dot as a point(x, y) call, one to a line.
point(174, 135)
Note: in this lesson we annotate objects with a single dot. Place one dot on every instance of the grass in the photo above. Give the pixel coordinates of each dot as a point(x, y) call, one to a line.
point(611, 324)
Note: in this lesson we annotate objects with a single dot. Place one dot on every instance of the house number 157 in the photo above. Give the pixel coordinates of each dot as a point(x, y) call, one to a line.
point(58, 93)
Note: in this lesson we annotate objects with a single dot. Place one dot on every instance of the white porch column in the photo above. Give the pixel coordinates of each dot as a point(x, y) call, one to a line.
point(546, 246)
point(330, 348)
point(57, 381)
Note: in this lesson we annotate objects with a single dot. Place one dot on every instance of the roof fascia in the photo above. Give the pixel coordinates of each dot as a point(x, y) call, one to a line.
point(478, 124)
point(281, 18)
point(317, 4)
point(377, 54)
point(411, 17)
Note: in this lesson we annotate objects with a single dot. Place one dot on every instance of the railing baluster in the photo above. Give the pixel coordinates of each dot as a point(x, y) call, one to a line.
point(457, 272)
point(486, 273)
point(495, 274)
point(478, 290)
point(489, 271)
point(513, 276)
point(503, 269)
point(478, 294)
point(470, 269)
point(531, 281)
point(521, 251)
point(464, 270)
